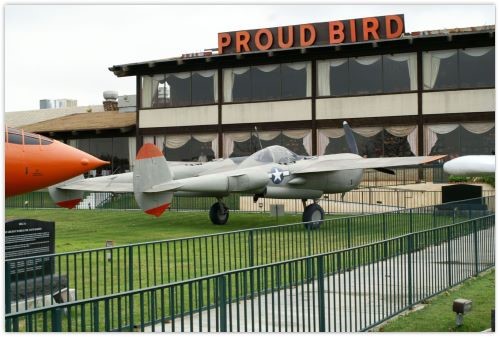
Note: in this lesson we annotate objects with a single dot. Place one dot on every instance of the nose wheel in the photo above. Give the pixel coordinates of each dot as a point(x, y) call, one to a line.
point(313, 216)
point(219, 213)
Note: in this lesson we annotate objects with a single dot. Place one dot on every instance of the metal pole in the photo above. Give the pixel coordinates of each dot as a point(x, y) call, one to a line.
point(222, 304)
point(410, 270)
point(321, 294)
point(476, 247)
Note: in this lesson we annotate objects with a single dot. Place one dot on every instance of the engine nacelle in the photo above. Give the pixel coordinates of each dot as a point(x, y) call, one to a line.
point(342, 181)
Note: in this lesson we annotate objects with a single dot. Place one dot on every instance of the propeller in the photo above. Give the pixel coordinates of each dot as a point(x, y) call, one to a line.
point(349, 136)
point(353, 147)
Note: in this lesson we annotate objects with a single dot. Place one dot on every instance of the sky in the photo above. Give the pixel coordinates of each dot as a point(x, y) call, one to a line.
point(64, 51)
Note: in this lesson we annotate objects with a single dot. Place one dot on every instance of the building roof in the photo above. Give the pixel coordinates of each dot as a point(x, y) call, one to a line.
point(209, 59)
point(90, 121)
point(17, 119)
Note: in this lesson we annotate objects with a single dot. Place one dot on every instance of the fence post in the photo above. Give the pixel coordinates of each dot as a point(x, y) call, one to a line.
point(410, 270)
point(476, 248)
point(56, 320)
point(8, 295)
point(411, 220)
point(321, 293)
point(250, 249)
point(131, 268)
point(222, 304)
point(348, 232)
point(448, 238)
point(384, 215)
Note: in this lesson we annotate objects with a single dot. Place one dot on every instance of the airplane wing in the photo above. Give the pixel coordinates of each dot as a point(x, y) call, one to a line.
point(365, 163)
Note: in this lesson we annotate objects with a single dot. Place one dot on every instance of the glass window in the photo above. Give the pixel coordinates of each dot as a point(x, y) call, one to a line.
point(365, 75)
point(15, 138)
point(193, 150)
point(397, 71)
point(120, 161)
point(180, 89)
point(339, 77)
point(477, 67)
point(293, 80)
point(30, 139)
point(203, 87)
point(266, 84)
point(396, 146)
point(241, 85)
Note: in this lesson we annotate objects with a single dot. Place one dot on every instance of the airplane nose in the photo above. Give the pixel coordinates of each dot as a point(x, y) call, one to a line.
point(91, 162)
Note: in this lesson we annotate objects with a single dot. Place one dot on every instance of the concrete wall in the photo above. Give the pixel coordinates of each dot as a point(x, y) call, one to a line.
point(367, 106)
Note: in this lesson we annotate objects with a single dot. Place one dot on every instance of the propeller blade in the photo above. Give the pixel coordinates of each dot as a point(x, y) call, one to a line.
point(385, 170)
point(349, 136)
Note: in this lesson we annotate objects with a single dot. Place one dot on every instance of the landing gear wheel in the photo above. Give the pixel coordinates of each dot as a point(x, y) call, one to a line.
point(217, 215)
point(313, 216)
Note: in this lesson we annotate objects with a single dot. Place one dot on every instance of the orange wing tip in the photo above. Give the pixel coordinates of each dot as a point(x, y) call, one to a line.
point(149, 151)
point(157, 211)
point(69, 203)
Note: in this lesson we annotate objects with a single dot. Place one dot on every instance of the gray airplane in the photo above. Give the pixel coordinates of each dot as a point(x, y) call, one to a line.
point(272, 172)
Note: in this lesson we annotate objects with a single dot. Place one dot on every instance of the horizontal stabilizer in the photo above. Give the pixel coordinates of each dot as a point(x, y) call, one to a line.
point(66, 198)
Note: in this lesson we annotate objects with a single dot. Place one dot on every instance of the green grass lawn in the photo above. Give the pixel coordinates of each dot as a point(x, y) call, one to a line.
point(86, 229)
point(437, 316)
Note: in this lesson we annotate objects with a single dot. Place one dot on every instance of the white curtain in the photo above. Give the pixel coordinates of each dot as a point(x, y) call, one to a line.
point(431, 62)
point(478, 128)
point(408, 131)
point(267, 68)
point(213, 75)
point(324, 75)
point(268, 135)
point(431, 131)
point(147, 91)
point(367, 60)
point(176, 141)
point(230, 138)
point(367, 131)
point(477, 52)
point(209, 137)
point(132, 150)
point(305, 135)
point(413, 141)
point(324, 136)
point(229, 75)
point(411, 59)
point(148, 139)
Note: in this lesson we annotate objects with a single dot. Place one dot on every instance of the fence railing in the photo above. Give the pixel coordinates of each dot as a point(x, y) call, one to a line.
point(351, 289)
point(104, 271)
point(362, 201)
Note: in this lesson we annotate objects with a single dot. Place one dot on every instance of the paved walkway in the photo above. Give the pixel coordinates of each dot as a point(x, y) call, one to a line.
point(353, 300)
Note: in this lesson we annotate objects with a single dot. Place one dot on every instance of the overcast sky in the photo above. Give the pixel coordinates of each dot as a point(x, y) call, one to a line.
point(64, 51)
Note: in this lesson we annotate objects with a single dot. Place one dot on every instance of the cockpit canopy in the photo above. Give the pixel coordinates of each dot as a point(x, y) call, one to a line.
point(271, 154)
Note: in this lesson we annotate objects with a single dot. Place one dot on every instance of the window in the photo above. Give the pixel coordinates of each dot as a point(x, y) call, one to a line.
point(187, 147)
point(367, 75)
point(477, 67)
point(399, 72)
point(267, 82)
point(179, 89)
point(459, 68)
point(115, 150)
point(245, 143)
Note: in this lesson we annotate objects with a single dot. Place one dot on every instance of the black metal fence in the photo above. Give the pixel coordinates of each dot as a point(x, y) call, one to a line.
point(97, 272)
point(350, 289)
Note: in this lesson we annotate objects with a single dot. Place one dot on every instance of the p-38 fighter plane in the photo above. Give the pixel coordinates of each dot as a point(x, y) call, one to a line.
point(272, 172)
